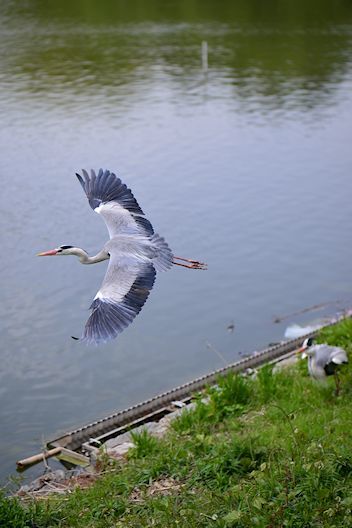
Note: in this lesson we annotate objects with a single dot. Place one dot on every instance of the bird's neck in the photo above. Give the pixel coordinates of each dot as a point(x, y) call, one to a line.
point(84, 258)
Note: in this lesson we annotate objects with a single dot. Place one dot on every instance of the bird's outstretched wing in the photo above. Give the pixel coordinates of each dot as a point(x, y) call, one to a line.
point(124, 290)
point(112, 199)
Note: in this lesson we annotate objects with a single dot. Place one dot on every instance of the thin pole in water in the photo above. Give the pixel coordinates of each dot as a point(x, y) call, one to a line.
point(204, 56)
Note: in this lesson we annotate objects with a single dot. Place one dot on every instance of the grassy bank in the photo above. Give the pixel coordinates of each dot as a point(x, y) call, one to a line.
point(270, 452)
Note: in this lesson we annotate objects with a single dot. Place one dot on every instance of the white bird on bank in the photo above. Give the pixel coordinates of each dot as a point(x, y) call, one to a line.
point(134, 251)
point(323, 360)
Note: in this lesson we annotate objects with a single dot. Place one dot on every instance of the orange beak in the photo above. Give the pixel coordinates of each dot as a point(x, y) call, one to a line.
point(301, 350)
point(47, 253)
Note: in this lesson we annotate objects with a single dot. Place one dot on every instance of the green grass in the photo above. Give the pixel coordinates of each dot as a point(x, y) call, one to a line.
point(275, 451)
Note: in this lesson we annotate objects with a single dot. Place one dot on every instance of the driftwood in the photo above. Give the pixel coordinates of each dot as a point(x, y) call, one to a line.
point(60, 452)
point(38, 458)
point(305, 310)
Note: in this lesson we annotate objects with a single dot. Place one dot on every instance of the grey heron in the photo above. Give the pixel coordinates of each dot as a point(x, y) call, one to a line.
point(323, 360)
point(134, 251)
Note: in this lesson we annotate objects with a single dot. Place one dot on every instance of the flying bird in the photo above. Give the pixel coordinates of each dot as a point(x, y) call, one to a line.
point(134, 251)
point(323, 360)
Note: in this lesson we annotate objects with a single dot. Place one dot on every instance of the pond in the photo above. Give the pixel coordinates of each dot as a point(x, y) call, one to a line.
point(245, 164)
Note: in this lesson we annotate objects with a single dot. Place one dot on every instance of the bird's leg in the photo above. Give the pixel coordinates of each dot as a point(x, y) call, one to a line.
point(188, 260)
point(190, 266)
point(193, 264)
point(337, 382)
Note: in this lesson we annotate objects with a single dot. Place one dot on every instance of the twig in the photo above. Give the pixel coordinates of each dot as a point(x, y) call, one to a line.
point(209, 345)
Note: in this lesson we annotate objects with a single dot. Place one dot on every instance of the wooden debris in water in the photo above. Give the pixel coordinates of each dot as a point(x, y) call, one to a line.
point(67, 455)
point(279, 319)
point(60, 452)
point(40, 457)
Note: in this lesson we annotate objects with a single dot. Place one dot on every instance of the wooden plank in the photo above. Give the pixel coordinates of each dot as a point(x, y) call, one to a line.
point(73, 458)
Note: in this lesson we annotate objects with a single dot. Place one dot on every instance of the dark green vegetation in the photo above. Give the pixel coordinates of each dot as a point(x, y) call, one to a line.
point(272, 451)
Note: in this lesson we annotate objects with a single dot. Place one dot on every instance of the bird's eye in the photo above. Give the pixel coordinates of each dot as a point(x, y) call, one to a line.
point(59, 250)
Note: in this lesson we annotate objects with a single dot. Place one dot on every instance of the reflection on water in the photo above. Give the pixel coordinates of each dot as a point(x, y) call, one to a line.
point(246, 167)
point(64, 51)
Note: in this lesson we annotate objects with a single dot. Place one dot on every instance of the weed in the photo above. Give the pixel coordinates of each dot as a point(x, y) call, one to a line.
point(267, 383)
point(11, 513)
point(144, 444)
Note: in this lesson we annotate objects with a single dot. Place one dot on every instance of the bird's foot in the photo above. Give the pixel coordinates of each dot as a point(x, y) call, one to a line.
point(192, 264)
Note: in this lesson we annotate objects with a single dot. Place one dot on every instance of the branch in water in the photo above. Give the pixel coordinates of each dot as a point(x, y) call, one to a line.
point(305, 310)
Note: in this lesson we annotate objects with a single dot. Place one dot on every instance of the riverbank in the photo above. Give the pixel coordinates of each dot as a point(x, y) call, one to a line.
point(268, 450)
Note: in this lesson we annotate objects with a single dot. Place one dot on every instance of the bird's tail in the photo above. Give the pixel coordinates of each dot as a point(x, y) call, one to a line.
point(164, 257)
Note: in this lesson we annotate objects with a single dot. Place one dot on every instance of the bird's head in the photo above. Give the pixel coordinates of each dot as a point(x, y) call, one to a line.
point(61, 250)
point(305, 349)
